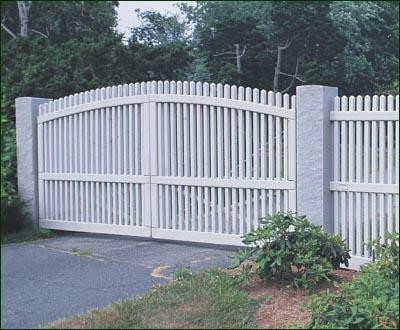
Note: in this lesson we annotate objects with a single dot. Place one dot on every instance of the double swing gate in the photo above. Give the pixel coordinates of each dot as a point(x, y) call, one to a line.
point(174, 160)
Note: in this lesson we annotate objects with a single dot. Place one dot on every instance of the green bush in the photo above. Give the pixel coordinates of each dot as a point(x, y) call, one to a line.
point(12, 209)
point(286, 246)
point(369, 301)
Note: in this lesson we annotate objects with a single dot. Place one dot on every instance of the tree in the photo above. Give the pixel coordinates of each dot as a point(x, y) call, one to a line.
point(370, 55)
point(51, 49)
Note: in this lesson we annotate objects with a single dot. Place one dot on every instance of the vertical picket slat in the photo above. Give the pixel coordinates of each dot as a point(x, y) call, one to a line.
point(374, 168)
point(179, 132)
point(344, 167)
point(263, 153)
point(278, 154)
point(249, 165)
point(173, 141)
point(271, 160)
point(227, 159)
point(234, 159)
point(390, 165)
point(358, 168)
point(220, 155)
point(367, 143)
point(206, 133)
point(285, 167)
point(241, 160)
point(256, 158)
point(351, 165)
point(382, 169)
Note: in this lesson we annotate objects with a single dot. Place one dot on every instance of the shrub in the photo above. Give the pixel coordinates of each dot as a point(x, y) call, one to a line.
point(13, 216)
point(12, 210)
point(288, 246)
point(369, 301)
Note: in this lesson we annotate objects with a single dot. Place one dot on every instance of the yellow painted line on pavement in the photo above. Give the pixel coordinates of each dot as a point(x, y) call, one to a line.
point(157, 272)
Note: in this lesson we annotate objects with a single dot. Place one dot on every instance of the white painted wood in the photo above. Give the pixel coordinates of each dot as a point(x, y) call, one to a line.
point(199, 133)
point(170, 156)
point(382, 169)
point(368, 158)
point(193, 236)
point(362, 116)
point(192, 99)
point(379, 188)
point(95, 228)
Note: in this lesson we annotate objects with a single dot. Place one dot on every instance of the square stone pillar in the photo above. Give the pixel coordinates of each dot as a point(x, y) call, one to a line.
point(314, 140)
point(27, 109)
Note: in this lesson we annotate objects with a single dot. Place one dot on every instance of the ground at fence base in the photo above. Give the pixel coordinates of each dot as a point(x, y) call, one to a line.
point(271, 305)
point(283, 307)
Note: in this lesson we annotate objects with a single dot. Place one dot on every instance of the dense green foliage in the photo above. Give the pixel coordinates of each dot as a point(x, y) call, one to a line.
point(370, 301)
point(72, 46)
point(289, 246)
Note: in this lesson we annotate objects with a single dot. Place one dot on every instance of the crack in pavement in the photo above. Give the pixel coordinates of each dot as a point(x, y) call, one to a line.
point(50, 248)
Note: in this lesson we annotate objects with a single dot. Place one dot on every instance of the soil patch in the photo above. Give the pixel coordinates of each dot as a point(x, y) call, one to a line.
point(282, 306)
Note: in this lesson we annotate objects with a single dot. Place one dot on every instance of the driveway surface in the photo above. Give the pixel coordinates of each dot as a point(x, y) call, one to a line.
point(43, 281)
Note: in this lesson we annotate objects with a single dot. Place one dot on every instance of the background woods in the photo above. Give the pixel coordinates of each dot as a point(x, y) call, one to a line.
point(53, 49)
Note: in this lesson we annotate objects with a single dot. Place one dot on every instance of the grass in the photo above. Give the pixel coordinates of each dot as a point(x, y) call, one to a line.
point(26, 235)
point(81, 253)
point(206, 300)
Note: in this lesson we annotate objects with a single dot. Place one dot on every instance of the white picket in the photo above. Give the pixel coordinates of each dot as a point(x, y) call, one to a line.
point(200, 133)
point(365, 145)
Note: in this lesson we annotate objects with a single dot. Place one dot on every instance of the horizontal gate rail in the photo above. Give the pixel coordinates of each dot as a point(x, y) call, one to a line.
point(379, 188)
point(173, 98)
point(225, 183)
point(364, 115)
point(95, 177)
point(91, 227)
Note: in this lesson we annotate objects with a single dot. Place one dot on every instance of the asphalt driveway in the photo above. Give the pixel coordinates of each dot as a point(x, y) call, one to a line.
point(44, 281)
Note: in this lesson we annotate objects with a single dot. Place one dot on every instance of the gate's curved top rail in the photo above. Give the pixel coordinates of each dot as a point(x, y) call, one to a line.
point(217, 95)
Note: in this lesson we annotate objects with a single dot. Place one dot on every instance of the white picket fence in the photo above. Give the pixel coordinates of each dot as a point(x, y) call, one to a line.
point(203, 162)
point(366, 169)
point(183, 161)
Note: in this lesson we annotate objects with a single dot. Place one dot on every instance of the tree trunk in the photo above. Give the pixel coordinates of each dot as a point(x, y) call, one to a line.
point(277, 70)
point(238, 64)
point(23, 10)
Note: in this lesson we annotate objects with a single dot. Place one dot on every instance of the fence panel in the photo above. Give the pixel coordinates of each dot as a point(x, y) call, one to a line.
point(89, 157)
point(366, 170)
point(177, 160)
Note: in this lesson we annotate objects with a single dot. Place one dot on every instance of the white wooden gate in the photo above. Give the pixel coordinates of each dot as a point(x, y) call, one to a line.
point(183, 161)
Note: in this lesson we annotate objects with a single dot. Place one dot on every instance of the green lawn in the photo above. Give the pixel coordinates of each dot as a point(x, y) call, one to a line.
point(26, 235)
point(207, 300)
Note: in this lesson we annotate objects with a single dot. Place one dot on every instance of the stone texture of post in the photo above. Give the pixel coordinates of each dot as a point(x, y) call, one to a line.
point(27, 109)
point(314, 139)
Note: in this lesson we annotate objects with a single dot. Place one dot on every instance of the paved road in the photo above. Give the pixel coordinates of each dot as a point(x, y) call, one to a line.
point(43, 281)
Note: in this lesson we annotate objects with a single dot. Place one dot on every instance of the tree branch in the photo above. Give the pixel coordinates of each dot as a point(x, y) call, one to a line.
point(225, 53)
point(40, 33)
point(8, 31)
point(291, 75)
point(294, 78)
point(287, 44)
point(244, 51)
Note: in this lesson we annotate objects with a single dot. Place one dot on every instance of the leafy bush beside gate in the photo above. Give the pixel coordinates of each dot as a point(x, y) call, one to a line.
point(370, 301)
point(286, 246)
